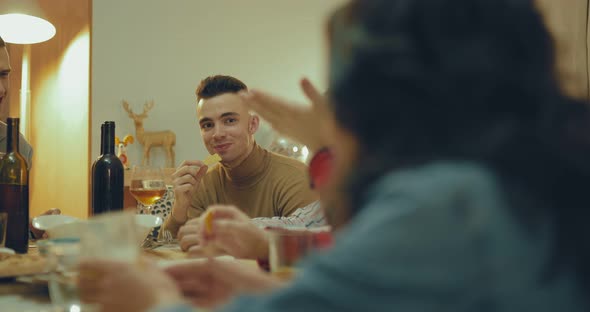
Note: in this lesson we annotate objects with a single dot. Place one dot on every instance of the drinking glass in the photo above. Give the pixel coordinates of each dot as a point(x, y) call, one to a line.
point(147, 185)
point(3, 225)
point(63, 257)
point(111, 236)
point(287, 246)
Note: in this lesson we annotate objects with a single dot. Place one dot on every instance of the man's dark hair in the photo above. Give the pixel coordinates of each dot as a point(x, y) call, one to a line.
point(219, 84)
point(2, 43)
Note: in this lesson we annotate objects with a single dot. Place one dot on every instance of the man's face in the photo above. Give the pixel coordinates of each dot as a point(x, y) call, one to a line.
point(226, 127)
point(4, 83)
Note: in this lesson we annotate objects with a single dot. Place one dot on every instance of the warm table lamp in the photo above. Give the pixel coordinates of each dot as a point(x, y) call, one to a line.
point(23, 22)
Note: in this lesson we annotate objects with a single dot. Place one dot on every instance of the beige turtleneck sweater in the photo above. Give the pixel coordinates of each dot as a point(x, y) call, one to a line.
point(264, 185)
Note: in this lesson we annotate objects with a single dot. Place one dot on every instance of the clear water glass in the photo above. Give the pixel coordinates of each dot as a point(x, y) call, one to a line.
point(63, 257)
point(3, 225)
point(111, 236)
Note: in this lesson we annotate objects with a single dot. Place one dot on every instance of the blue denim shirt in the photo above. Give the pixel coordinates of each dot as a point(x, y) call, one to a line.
point(435, 238)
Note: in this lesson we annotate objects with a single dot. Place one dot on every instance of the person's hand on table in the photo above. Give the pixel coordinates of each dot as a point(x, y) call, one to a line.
point(232, 232)
point(37, 233)
point(118, 286)
point(213, 282)
point(189, 237)
point(188, 234)
point(310, 125)
point(185, 182)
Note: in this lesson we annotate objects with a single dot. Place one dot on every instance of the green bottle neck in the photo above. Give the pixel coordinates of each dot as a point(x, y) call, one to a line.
point(13, 135)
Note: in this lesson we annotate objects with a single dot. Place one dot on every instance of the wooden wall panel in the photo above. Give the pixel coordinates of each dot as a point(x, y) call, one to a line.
point(59, 112)
point(15, 51)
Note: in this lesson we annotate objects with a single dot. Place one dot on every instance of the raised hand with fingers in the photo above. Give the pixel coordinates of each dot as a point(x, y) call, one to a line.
point(310, 125)
point(186, 181)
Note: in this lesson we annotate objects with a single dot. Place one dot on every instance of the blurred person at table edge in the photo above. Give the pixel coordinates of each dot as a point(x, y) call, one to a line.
point(24, 147)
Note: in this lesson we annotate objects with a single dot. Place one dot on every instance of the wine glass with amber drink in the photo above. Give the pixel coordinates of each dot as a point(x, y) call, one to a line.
point(147, 185)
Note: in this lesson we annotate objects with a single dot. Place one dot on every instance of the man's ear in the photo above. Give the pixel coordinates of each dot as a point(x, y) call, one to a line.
point(254, 123)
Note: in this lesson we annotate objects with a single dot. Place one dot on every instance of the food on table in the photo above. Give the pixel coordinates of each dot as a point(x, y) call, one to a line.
point(21, 264)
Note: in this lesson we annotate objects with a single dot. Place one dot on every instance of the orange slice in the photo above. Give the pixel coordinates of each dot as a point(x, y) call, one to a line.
point(209, 222)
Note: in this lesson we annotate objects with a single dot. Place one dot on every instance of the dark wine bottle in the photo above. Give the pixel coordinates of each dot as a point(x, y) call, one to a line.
point(14, 191)
point(107, 174)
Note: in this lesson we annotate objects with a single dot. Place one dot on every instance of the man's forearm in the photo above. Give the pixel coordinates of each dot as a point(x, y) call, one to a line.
point(310, 216)
point(176, 220)
point(173, 223)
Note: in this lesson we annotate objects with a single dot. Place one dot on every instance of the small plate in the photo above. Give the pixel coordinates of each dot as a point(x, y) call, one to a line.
point(50, 221)
point(6, 251)
point(36, 279)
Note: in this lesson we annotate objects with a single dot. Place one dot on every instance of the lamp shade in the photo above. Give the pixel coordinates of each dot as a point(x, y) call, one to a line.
point(23, 22)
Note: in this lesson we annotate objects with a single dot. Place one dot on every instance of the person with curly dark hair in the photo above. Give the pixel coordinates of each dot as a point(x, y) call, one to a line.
point(464, 165)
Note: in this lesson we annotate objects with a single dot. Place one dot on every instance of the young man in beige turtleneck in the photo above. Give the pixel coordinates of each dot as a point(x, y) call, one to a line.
point(261, 183)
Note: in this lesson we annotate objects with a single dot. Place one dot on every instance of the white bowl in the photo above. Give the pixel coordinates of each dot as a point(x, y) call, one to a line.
point(4, 250)
point(67, 230)
point(144, 225)
point(59, 226)
point(73, 228)
point(50, 221)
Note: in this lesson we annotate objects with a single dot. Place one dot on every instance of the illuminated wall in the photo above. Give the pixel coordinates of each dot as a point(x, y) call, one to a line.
point(160, 50)
point(60, 118)
point(59, 109)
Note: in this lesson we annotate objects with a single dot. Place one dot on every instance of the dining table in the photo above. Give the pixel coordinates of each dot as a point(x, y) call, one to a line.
point(29, 293)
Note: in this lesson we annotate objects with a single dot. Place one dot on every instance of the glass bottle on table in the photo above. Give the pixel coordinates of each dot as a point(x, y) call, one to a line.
point(14, 191)
point(107, 174)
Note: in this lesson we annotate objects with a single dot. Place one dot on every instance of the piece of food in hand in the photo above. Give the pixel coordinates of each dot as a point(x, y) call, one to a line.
point(212, 160)
point(208, 249)
point(208, 220)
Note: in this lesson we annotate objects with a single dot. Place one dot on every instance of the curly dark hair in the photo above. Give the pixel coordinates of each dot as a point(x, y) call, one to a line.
point(418, 81)
point(219, 84)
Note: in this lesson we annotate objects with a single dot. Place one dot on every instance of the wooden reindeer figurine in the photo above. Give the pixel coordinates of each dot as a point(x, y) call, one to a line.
point(166, 139)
